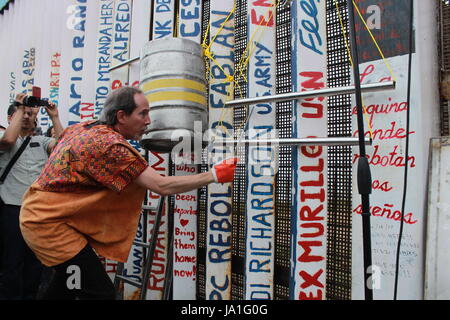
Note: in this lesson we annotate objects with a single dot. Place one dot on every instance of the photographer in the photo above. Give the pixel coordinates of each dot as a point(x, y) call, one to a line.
point(20, 270)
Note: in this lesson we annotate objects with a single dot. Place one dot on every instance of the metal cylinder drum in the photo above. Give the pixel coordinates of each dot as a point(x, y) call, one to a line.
point(172, 75)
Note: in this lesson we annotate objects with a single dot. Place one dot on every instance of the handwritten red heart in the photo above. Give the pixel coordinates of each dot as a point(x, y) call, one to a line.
point(184, 222)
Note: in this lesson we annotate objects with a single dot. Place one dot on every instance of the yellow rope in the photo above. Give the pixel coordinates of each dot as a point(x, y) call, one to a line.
point(244, 63)
point(205, 38)
point(375, 42)
point(352, 64)
point(222, 26)
point(343, 32)
point(248, 52)
point(209, 55)
point(206, 48)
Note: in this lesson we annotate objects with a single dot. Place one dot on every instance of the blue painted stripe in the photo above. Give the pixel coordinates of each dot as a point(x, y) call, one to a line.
point(3, 4)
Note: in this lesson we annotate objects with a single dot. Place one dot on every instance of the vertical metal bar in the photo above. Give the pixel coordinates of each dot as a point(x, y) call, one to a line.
point(364, 178)
point(151, 250)
point(408, 113)
point(168, 277)
point(118, 281)
point(169, 270)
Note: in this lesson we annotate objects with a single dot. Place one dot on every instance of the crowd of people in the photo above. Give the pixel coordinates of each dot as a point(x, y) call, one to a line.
point(76, 193)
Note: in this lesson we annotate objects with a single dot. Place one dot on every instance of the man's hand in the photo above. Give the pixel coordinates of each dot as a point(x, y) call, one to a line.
point(224, 171)
point(9, 138)
point(20, 108)
point(20, 97)
point(52, 110)
point(35, 111)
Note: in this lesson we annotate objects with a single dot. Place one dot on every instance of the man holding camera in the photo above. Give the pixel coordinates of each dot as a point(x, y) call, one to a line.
point(22, 157)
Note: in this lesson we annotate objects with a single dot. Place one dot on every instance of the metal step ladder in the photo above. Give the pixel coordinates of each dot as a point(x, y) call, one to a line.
point(120, 278)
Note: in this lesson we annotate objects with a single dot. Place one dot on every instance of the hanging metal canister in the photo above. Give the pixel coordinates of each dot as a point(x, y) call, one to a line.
point(173, 80)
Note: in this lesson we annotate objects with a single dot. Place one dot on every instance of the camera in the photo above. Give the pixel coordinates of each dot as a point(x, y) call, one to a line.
point(34, 100)
point(31, 101)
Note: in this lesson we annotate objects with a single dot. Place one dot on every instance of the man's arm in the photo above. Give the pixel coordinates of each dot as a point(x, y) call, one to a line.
point(51, 146)
point(165, 186)
point(53, 113)
point(9, 138)
point(153, 181)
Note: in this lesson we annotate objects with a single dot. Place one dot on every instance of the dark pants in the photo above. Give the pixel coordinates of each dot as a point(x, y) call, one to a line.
point(83, 277)
point(20, 269)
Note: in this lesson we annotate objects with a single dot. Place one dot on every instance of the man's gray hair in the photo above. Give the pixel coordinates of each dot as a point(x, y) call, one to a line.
point(119, 99)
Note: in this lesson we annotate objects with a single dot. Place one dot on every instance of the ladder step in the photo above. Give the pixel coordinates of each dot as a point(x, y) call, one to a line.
point(371, 87)
point(336, 141)
point(129, 281)
point(141, 244)
point(150, 208)
point(148, 257)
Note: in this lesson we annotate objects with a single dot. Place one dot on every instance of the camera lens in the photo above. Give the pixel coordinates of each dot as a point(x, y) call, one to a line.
point(31, 101)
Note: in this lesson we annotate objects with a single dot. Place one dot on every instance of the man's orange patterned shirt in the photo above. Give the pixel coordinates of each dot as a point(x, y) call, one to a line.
point(85, 194)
